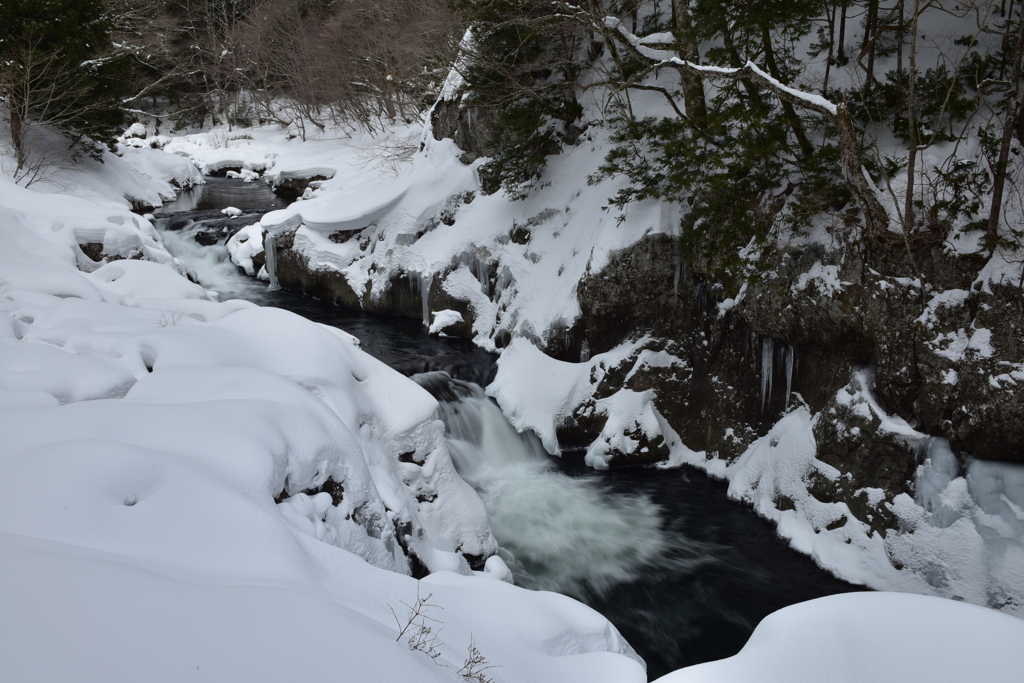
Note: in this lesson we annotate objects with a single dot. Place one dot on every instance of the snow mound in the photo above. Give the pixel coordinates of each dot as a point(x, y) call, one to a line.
point(879, 637)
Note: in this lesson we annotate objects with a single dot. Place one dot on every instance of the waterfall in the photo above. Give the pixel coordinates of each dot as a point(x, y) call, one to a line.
point(789, 372)
point(270, 246)
point(767, 353)
point(556, 532)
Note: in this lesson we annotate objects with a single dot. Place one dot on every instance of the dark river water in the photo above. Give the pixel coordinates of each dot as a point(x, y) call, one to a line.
point(683, 573)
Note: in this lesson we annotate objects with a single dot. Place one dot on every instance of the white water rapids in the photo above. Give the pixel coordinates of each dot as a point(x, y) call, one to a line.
point(211, 266)
point(556, 532)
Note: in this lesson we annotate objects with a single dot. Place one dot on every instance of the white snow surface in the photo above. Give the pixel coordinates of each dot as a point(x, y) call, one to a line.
point(148, 427)
point(879, 637)
point(399, 207)
point(443, 319)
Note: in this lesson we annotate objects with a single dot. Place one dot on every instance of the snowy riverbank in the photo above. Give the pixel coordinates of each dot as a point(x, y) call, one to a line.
point(149, 428)
point(210, 489)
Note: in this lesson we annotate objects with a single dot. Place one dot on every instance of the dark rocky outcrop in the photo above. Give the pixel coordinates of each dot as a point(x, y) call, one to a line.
point(470, 127)
point(222, 171)
point(95, 252)
point(291, 189)
point(835, 311)
point(403, 296)
point(207, 238)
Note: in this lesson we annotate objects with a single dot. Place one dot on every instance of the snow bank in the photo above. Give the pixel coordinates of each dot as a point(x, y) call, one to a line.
point(443, 319)
point(198, 488)
point(878, 637)
point(541, 394)
point(244, 245)
point(424, 214)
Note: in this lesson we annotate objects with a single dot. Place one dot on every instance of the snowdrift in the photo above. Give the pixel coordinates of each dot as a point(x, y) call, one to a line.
point(200, 488)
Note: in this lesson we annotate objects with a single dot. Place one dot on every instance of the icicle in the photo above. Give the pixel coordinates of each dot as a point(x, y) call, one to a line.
point(503, 280)
point(584, 352)
point(270, 246)
point(767, 353)
point(789, 372)
point(426, 280)
point(481, 275)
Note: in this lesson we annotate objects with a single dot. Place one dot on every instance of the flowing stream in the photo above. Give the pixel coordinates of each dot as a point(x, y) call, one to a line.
point(684, 573)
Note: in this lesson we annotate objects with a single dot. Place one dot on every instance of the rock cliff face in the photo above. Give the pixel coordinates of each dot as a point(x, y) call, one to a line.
point(947, 355)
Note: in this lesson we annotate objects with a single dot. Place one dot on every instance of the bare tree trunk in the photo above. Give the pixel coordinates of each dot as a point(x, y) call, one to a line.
point(840, 53)
point(1010, 122)
point(870, 29)
point(17, 135)
point(806, 148)
point(831, 17)
point(693, 84)
point(908, 211)
point(899, 58)
point(876, 220)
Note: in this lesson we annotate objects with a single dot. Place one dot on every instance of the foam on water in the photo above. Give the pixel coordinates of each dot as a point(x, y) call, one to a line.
point(557, 532)
point(211, 266)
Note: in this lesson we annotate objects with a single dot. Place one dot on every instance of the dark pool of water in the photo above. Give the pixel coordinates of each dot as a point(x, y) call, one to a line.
point(220, 193)
point(402, 343)
point(725, 568)
point(725, 571)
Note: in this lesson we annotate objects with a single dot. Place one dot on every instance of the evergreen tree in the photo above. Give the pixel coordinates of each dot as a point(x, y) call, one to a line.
point(524, 66)
point(744, 166)
point(57, 71)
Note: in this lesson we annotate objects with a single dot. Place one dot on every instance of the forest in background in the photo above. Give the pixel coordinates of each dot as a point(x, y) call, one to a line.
point(724, 107)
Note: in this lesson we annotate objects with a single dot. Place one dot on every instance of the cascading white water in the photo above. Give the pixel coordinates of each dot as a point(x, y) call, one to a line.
point(270, 247)
point(556, 532)
point(211, 266)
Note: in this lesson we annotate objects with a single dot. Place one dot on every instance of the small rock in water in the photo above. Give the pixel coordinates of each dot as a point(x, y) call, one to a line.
point(207, 238)
point(231, 211)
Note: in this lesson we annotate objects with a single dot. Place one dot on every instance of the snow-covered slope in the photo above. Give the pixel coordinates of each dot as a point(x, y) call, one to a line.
point(880, 637)
point(216, 490)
